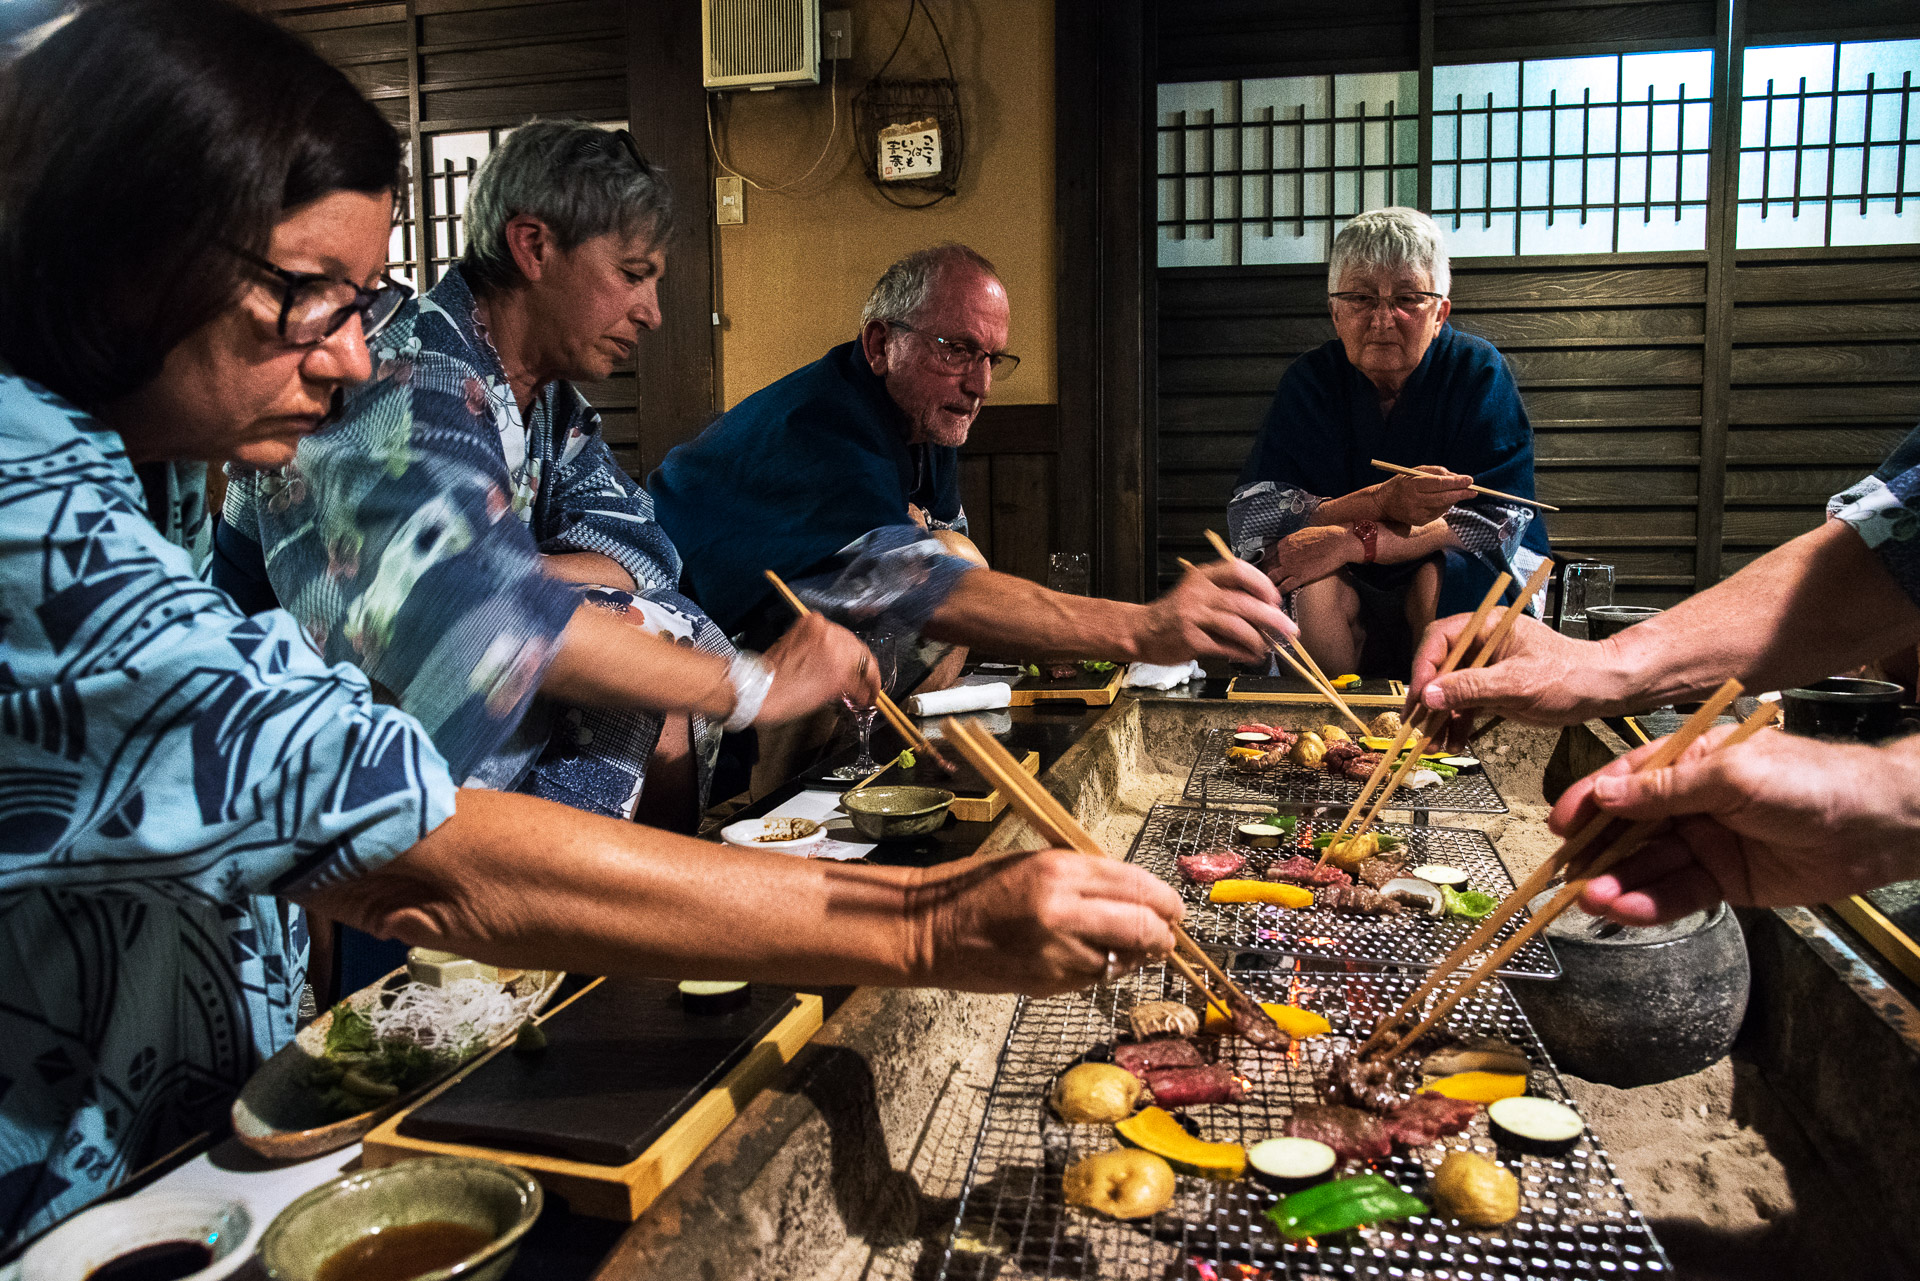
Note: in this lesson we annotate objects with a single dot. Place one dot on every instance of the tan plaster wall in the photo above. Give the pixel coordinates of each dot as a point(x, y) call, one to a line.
point(792, 279)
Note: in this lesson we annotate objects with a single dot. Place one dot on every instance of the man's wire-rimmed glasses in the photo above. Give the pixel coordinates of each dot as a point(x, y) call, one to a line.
point(313, 306)
point(958, 353)
point(1406, 306)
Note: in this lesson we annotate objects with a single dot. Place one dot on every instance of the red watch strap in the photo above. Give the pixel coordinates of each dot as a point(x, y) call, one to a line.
point(1369, 535)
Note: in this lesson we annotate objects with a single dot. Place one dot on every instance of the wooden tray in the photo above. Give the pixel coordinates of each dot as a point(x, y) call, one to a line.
point(973, 800)
point(1291, 689)
point(623, 1192)
point(1095, 689)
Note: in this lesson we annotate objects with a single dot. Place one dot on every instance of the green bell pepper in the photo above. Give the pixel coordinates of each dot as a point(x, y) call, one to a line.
point(1341, 1205)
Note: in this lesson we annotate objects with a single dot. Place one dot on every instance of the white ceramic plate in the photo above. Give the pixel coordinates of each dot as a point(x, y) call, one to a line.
point(744, 833)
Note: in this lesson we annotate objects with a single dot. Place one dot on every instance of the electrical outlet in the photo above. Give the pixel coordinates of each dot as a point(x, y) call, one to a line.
point(729, 202)
point(836, 34)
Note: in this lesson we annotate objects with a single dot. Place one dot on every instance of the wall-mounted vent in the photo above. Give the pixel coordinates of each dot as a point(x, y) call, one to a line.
point(760, 44)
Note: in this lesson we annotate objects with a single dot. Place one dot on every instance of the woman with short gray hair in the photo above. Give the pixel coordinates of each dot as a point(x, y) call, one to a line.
point(1368, 562)
point(567, 227)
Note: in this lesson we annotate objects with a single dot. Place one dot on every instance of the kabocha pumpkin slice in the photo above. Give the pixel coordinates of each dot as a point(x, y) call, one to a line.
point(1291, 1019)
point(1157, 1131)
point(1278, 893)
point(1123, 1183)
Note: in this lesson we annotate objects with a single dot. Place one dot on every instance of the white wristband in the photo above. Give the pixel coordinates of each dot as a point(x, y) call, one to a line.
point(751, 677)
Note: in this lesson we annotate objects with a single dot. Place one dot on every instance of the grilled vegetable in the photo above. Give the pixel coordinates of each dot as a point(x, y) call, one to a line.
point(1351, 852)
point(1480, 1054)
point(1385, 726)
point(1278, 893)
point(1420, 895)
point(1244, 753)
point(1341, 682)
point(1289, 1163)
point(1334, 734)
point(1096, 1094)
point(697, 996)
point(1480, 1087)
point(1291, 1019)
point(1308, 750)
point(1535, 1125)
point(1164, 1018)
point(1471, 904)
point(1440, 874)
point(1475, 1190)
point(1122, 1183)
point(1340, 1205)
point(1157, 1131)
point(1264, 836)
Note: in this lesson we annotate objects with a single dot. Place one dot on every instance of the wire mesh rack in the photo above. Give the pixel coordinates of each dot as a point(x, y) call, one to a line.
point(1299, 788)
point(1408, 939)
point(1575, 1220)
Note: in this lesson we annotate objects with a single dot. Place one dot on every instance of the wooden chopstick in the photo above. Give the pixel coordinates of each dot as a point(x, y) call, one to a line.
point(1541, 877)
point(895, 717)
point(1199, 984)
point(1478, 489)
point(1054, 824)
point(1627, 843)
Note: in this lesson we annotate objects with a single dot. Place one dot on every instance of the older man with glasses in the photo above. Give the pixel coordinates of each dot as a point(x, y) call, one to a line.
point(1369, 562)
point(844, 478)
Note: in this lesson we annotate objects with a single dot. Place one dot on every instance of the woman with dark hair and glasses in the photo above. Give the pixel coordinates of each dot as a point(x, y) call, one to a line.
point(194, 211)
point(1368, 560)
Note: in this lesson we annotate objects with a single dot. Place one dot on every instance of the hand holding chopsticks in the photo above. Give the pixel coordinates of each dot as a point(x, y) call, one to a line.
point(1490, 493)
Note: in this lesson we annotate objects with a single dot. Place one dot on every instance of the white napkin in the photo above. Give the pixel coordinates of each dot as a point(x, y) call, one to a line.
point(961, 698)
point(1161, 676)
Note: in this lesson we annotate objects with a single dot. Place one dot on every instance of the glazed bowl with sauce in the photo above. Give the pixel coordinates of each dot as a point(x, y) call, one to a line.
point(423, 1220)
point(155, 1237)
point(895, 813)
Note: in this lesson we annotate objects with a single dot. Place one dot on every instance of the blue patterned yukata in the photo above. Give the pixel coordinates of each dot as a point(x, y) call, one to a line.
point(1884, 509)
point(385, 540)
point(1460, 409)
point(167, 765)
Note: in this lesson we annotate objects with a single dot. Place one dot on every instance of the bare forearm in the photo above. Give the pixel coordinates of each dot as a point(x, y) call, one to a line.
point(1011, 615)
point(1349, 509)
point(605, 897)
point(590, 568)
point(1820, 604)
point(605, 662)
point(1419, 543)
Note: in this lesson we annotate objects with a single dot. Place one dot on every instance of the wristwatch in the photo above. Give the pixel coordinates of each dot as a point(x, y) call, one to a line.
point(1369, 535)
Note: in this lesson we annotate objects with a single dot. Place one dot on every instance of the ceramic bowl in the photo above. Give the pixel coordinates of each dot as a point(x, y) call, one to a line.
point(104, 1233)
point(746, 834)
point(484, 1194)
point(896, 813)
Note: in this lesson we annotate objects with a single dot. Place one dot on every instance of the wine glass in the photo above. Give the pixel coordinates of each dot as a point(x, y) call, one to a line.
point(885, 647)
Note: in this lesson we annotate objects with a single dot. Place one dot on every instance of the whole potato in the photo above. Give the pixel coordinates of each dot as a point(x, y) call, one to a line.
point(1124, 1183)
point(1096, 1094)
point(1308, 750)
point(1385, 725)
point(1475, 1191)
point(1334, 734)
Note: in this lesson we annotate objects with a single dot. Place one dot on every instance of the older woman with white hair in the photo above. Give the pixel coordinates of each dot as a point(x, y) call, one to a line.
point(1369, 562)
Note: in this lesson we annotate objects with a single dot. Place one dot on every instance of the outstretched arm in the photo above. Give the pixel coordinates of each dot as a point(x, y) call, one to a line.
point(519, 881)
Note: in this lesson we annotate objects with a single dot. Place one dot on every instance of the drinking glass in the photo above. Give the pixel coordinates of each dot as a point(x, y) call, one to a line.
point(885, 647)
point(1583, 584)
point(1070, 572)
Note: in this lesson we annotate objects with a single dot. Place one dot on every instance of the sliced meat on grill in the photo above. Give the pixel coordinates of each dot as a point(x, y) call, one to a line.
point(1300, 870)
point(1204, 867)
point(1351, 1133)
point(1255, 1024)
point(1284, 739)
point(1186, 1087)
point(1372, 1086)
point(1356, 900)
point(1377, 871)
point(1426, 1117)
point(1142, 1057)
point(1061, 671)
point(1339, 752)
point(1254, 727)
point(1360, 768)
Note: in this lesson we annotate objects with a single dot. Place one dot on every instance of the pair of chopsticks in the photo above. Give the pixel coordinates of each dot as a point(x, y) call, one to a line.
point(1308, 670)
point(1058, 827)
point(1490, 493)
point(1627, 839)
point(1421, 725)
point(891, 710)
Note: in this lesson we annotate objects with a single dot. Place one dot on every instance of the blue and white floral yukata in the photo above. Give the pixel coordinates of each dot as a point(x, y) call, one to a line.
point(383, 539)
point(167, 766)
point(1884, 509)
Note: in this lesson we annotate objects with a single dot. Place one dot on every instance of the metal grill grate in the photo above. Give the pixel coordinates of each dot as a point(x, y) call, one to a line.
point(1575, 1221)
point(1172, 830)
point(1296, 787)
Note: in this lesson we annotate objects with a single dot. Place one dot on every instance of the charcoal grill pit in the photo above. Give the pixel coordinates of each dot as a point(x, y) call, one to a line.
point(1576, 1221)
point(1297, 788)
point(1409, 939)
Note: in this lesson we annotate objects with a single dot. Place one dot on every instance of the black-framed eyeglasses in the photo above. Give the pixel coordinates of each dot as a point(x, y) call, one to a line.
point(314, 306)
point(1406, 305)
point(958, 353)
